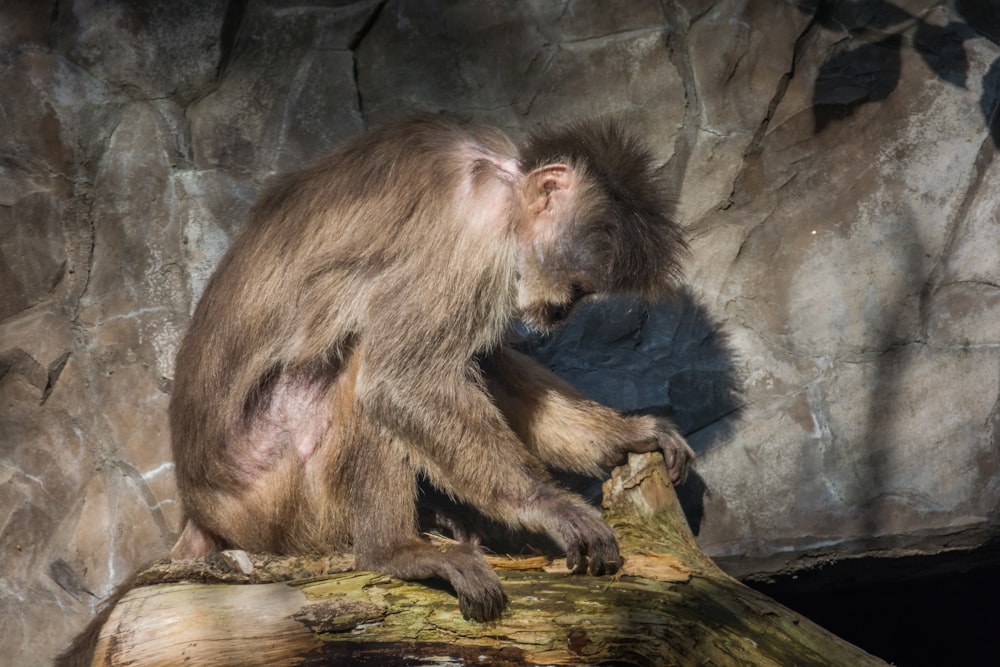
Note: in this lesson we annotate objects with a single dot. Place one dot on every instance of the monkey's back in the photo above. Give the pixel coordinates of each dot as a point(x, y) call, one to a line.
point(319, 267)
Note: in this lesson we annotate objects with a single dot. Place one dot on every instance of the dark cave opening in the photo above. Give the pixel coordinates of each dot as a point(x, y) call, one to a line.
point(913, 611)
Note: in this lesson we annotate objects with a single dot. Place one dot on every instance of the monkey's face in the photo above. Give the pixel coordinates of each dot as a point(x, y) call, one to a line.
point(551, 282)
point(548, 311)
point(552, 269)
point(618, 229)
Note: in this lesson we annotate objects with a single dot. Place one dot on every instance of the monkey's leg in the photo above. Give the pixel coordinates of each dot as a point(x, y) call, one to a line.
point(194, 542)
point(571, 432)
point(379, 486)
point(460, 440)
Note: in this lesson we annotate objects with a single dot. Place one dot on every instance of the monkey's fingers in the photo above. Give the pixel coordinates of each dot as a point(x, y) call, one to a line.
point(605, 562)
point(595, 552)
point(677, 455)
point(576, 558)
point(596, 561)
point(484, 605)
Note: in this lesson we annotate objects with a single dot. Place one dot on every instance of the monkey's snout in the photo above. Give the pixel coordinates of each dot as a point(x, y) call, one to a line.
point(577, 293)
point(554, 314)
point(557, 314)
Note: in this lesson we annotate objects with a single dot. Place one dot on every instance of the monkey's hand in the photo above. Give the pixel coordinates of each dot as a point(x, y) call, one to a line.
point(677, 453)
point(664, 437)
point(591, 545)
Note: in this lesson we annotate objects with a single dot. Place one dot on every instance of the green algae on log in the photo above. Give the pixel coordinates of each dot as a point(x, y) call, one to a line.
point(670, 605)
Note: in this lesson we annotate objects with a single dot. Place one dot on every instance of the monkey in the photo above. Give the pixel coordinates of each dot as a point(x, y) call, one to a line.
point(352, 341)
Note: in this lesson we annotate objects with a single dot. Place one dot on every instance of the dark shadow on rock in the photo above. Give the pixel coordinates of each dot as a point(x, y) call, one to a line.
point(855, 15)
point(983, 16)
point(990, 101)
point(867, 67)
point(691, 495)
point(943, 49)
point(868, 73)
point(897, 348)
point(670, 359)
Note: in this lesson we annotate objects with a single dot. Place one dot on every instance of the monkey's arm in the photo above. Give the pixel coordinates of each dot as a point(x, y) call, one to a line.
point(569, 431)
point(452, 431)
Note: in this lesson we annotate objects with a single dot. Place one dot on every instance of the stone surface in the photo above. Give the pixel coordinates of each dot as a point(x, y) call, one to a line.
point(834, 356)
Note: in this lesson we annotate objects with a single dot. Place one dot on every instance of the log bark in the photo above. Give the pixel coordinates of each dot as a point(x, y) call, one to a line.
point(669, 606)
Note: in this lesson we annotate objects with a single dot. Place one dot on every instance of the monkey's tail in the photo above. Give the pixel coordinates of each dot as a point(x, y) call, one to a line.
point(81, 652)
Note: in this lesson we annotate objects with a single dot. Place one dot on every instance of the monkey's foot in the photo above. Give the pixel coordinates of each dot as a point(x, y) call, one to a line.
point(484, 605)
point(591, 546)
point(480, 595)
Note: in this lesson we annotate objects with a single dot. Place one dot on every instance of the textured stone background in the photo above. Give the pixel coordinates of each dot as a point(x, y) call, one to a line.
point(835, 358)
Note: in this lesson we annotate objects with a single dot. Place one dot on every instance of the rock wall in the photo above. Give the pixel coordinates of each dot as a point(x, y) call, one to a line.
point(834, 358)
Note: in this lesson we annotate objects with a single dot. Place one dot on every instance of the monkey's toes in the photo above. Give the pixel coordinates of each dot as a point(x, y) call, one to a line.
point(483, 606)
point(597, 557)
point(605, 563)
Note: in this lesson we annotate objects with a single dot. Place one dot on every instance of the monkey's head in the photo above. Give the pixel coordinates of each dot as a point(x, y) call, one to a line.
point(598, 220)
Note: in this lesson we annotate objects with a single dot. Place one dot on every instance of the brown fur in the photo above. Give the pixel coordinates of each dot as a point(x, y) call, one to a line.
point(81, 652)
point(351, 341)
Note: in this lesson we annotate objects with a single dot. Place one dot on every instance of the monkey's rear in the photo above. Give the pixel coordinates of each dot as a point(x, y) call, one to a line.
point(350, 341)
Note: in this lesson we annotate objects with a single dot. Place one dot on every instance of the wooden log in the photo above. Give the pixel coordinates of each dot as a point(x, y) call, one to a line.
point(670, 605)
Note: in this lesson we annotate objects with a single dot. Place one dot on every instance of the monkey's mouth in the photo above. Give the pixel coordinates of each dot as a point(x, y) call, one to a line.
point(554, 314)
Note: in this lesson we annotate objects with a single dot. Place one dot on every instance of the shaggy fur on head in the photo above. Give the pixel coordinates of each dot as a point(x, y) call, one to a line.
point(625, 236)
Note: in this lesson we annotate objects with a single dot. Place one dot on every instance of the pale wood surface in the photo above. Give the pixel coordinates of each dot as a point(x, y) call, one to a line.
point(670, 606)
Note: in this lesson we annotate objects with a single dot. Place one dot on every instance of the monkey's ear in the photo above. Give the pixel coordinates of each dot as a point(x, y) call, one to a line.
point(542, 183)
